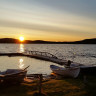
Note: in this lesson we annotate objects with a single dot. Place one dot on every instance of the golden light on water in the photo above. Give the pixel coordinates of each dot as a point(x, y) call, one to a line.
point(21, 39)
point(21, 48)
point(21, 64)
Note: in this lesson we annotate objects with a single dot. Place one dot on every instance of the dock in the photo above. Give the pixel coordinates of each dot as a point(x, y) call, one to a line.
point(38, 55)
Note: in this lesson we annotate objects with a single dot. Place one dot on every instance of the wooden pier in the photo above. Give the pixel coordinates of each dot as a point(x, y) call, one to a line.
point(38, 55)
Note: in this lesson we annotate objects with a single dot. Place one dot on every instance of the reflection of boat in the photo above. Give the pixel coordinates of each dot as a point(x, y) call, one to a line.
point(66, 72)
point(13, 75)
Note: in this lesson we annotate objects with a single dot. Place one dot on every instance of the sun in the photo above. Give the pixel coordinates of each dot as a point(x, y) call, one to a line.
point(21, 39)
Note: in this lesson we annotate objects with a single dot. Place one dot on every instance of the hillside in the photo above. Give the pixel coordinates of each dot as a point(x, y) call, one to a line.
point(11, 40)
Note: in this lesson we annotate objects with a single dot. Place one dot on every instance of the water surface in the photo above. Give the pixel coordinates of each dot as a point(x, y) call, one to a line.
point(81, 53)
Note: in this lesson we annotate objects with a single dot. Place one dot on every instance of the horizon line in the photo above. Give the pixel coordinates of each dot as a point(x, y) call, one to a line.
point(48, 40)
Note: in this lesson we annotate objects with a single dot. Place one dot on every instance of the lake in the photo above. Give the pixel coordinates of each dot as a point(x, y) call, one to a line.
point(81, 53)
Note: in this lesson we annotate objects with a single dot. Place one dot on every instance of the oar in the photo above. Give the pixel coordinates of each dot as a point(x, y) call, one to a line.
point(26, 67)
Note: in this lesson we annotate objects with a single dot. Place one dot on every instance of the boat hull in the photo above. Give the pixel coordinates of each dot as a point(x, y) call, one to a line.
point(13, 75)
point(66, 72)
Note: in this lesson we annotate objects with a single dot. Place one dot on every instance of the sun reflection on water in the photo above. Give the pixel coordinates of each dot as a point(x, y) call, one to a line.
point(21, 64)
point(21, 48)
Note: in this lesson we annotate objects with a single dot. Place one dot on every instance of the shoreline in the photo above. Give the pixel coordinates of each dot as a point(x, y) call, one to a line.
point(52, 87)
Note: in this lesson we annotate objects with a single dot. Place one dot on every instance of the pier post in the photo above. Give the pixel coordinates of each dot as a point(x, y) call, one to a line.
point(40, 83)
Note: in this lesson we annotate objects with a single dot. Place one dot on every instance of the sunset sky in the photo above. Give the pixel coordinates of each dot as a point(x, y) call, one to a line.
point(51, 20)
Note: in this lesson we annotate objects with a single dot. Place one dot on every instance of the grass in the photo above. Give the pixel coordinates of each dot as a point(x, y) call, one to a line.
point(53, 87)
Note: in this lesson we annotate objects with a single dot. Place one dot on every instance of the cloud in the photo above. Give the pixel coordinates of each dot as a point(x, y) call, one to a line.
point(31, 26)
point(73, 30)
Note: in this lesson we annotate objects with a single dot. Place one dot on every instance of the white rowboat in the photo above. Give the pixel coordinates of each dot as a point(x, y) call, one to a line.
point(66, 72)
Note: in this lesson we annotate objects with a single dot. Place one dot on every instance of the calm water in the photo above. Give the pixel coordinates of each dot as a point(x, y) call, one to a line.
point(81, 53)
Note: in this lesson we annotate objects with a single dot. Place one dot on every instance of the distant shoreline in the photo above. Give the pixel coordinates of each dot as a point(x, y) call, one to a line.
point(16, 41)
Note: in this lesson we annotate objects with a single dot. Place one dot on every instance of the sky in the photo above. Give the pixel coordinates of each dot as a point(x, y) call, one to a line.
point(50, 20)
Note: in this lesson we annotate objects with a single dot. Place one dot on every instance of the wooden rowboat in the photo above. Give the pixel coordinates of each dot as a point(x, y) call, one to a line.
point(13, 75)
point(66, 72)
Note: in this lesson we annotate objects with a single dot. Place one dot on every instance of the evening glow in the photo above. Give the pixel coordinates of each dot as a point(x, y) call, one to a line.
point(21, 39)
point(50, 20)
